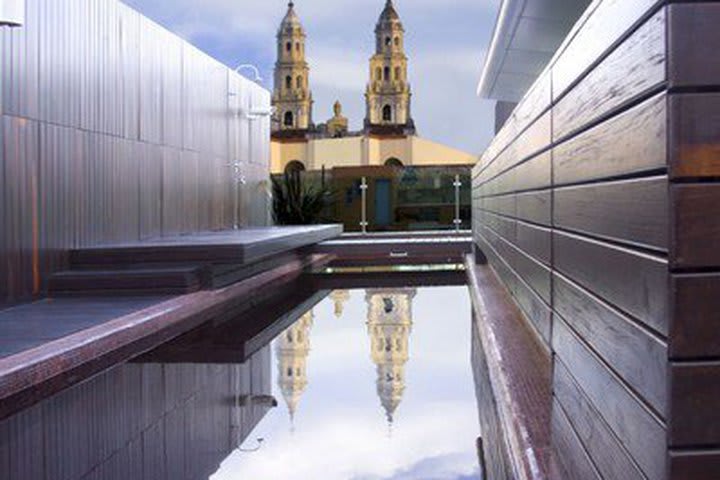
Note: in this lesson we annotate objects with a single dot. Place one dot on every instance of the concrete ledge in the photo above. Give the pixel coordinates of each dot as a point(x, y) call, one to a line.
point(520, 372)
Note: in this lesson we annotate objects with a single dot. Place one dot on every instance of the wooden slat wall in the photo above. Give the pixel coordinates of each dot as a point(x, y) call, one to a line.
point(605, 228)
point(694, 169)
point(114, 129)
point(138, 420)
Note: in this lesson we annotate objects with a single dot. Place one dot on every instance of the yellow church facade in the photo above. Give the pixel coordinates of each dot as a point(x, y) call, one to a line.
point(388, 137)
point(314, 154)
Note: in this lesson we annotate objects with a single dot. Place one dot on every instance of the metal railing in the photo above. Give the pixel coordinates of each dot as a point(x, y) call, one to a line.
point(386, 199)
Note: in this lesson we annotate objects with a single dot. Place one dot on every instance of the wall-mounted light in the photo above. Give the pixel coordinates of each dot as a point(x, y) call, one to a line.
point(12, 13)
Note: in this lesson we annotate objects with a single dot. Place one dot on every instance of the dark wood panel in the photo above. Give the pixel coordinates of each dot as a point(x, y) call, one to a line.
point(694, 404)
point(633, 211)
point(572, 459)
point(503, 226)
point(636, 283)
point(535, 241)
point(608, 455)
point(637, 356)
point(695, 320)
point(694, 123)
point(694, 38)
point(535, 309)
point(694, 465)
point(534, 273)
point(505, 205)
point(695, 226)
point(602, 28)
point(630, 143)
point(637, 429)
point(535, 207)
point(536, 173)
point(641, 59)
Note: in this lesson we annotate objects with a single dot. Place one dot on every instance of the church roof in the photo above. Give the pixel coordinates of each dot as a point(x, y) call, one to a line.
point(291, 19)
point(389, 14)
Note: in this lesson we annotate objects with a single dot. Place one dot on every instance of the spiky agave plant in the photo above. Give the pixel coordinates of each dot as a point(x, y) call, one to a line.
point(297, 204)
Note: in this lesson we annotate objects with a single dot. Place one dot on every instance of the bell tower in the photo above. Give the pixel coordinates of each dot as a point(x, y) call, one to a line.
point(388, 92)
point(292, 98)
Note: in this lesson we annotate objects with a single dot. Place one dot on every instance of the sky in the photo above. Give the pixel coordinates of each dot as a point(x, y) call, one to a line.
point(340, 430)
point(446, 41)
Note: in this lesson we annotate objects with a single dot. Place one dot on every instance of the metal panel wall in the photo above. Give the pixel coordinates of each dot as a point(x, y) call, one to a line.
point(114, 129)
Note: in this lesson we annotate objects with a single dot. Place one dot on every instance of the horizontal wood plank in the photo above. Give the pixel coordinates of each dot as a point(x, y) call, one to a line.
point(535, 207)
point(609, 456)
point(694, 404)
point(695, 226)
point(634, 212)
point(693, 41)
point(605, 26)
point(695, 324)
point(635, 283)
point(641, 59)
point(637, 356)
point(636, 428)
point(572, 460)
point(694, 147)
point(694, 465)
point(630, 143)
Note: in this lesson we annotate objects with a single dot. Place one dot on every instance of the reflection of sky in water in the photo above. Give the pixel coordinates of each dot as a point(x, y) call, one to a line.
point(340, 427)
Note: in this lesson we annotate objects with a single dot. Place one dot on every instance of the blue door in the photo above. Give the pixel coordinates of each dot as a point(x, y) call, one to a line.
point(383, 207)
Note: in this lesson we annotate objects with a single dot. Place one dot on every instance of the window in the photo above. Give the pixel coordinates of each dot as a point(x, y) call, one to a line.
point(297, 46)
point(387, 113)
point(386, 74)
point(397, 41)
point(288, 46)
point(397, 73)
point(289, 119)
point(299, 83)
point(288, 82)
point(387, 41)
point(378, 73)
point(393, 162)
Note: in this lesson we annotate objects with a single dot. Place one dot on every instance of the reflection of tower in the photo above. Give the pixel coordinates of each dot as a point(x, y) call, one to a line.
point(292, 349)
point(389, 326)
point(339, 297)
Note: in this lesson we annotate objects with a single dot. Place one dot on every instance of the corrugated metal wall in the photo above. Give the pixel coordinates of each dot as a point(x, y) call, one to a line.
point(115, 129)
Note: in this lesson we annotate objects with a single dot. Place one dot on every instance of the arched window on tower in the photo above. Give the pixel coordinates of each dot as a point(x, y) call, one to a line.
point(288, 46)
point(378, 73)
point(299, 82)
point(397, 73)
point(388, 41)
point(387, 113)
point(397, 41)
point(289, 119)
point(288, 82)
point(297, 46)
point(386, 74)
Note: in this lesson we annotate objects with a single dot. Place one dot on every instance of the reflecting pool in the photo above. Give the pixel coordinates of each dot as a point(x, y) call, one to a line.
point(372, 384)
point(349, 384)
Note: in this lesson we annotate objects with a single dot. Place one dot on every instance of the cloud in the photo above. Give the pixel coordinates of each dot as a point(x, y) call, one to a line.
point(445, 41)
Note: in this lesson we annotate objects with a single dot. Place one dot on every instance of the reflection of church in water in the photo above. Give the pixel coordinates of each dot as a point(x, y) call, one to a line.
point(389, 326)
point(293, 349)
point(389, 323)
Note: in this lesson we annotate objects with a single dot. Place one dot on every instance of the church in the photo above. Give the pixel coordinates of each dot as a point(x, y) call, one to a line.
point(388, 137)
